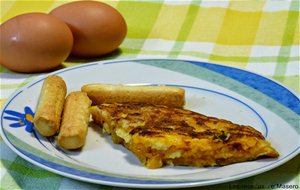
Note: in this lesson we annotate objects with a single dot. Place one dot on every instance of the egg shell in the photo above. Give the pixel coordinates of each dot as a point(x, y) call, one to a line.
point(34, 42)
point(97, 28)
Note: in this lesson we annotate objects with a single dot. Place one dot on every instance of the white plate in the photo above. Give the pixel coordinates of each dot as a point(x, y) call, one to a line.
point(215, 90)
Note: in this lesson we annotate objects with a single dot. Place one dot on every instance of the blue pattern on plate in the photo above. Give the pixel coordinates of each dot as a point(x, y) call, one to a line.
point(95, 176)
point(21, 119)
point(264, 85)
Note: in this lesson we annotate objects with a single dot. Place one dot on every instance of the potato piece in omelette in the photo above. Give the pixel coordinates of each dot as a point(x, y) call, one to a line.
point(160, 135)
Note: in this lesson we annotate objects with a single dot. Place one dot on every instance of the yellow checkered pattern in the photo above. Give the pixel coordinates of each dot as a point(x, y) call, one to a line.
point(258, 36)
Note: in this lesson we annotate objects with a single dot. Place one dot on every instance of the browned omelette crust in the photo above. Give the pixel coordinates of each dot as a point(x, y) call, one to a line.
point(160, 135)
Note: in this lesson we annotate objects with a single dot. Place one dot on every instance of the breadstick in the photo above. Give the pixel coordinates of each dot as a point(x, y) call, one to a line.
point(157, 95)
point(75, 121)
point(50, 106)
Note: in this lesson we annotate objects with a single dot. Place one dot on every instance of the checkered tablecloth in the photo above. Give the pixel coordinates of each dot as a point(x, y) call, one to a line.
point(258, 36)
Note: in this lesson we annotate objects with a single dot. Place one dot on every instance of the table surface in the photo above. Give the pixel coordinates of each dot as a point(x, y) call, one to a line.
point(257, 36)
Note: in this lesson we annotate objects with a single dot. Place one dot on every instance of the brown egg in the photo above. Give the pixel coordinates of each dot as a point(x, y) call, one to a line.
point(97, 28)
point(34, 42)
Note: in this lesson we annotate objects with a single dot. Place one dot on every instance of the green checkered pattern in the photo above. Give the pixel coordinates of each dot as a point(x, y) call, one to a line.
point(258, 36)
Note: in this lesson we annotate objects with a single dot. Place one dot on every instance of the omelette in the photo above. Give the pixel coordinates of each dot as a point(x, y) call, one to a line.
point(160, 135)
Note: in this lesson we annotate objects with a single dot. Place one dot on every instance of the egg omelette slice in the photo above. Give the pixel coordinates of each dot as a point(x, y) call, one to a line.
point(160, 135)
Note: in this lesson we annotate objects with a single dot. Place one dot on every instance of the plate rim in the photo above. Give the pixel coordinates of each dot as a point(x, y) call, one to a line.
point(134, 185)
